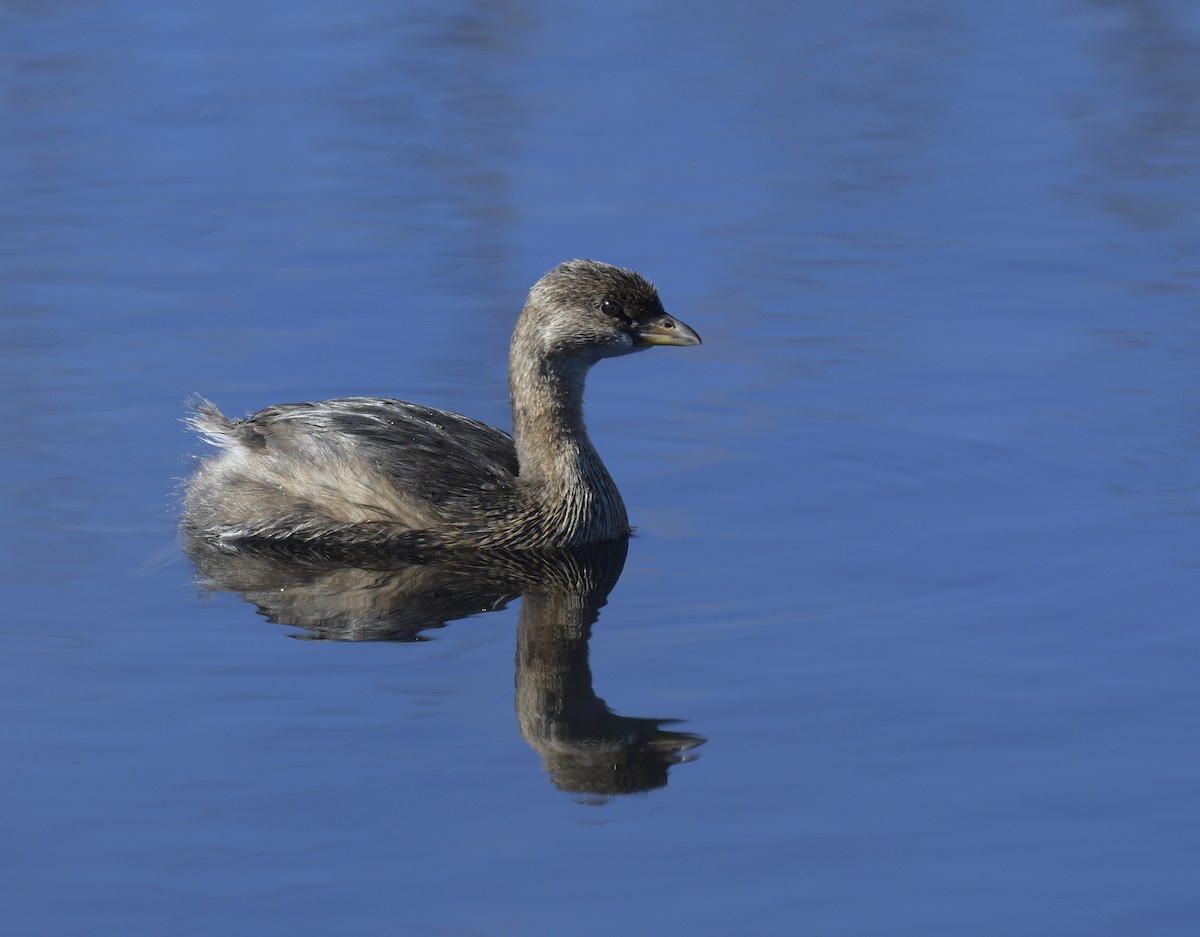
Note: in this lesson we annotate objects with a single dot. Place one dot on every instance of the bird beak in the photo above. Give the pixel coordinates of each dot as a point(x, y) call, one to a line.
point(665, 330)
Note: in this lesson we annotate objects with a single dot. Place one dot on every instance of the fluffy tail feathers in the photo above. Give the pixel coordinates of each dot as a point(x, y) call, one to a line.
point(214, 427)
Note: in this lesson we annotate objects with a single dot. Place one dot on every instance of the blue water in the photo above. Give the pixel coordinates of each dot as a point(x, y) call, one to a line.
point(917, 547)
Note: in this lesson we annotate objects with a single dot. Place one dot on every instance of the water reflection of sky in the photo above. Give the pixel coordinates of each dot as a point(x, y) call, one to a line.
point(917, 523)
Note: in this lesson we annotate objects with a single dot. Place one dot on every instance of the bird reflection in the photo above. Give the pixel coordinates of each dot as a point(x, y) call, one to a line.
point(585, 747)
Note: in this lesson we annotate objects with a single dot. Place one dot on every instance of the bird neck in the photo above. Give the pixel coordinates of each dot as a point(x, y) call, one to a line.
point(559, 466)
point(548, 430)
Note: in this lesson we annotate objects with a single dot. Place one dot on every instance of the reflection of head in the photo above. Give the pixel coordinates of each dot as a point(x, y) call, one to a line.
point(618, 755)
point(585, 747)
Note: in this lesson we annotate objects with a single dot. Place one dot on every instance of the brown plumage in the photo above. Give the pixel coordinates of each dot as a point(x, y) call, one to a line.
point(375, 473)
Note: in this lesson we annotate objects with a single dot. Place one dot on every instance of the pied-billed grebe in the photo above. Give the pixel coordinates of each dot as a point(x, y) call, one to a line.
point(365, 472)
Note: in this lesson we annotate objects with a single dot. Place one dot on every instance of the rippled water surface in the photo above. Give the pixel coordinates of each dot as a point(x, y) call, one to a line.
point(917, 555)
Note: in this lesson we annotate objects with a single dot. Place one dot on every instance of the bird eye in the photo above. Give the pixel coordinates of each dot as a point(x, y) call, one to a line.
point(612, 308)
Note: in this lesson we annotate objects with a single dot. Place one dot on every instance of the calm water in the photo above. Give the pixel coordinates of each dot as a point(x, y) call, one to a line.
point(918, 549)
